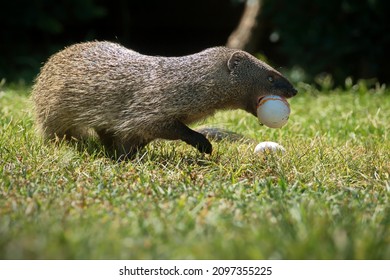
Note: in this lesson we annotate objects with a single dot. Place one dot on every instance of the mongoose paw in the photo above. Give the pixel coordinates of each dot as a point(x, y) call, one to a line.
point(205, 147)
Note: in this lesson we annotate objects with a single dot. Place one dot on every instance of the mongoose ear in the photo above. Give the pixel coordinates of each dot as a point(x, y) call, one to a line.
point(235, 60)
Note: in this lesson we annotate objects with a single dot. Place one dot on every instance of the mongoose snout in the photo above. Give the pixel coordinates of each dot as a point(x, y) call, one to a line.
point(286, 89)
point(129, 99)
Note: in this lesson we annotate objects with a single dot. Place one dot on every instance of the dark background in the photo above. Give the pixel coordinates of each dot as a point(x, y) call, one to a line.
point(347, 38)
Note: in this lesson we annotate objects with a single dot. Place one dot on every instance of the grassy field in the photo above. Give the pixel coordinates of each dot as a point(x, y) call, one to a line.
point(328, 197)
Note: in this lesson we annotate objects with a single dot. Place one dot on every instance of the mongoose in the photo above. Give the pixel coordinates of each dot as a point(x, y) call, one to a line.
point(130, 99)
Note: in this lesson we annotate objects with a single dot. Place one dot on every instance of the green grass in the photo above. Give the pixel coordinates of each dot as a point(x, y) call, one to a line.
point(328, 197)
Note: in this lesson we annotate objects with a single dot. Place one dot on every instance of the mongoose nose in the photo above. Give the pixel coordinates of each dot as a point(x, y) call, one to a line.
point(294, 92)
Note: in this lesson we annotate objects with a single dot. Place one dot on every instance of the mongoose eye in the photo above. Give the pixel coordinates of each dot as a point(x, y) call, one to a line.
point(270, 79)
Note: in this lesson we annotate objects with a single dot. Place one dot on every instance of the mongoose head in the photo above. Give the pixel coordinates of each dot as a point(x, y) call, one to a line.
point(256, 79)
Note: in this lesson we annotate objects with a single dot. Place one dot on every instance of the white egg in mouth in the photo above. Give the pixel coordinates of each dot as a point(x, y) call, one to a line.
point(273, 111)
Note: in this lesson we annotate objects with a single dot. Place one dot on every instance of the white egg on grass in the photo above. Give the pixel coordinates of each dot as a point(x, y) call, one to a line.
point(273, 111)
point(269, 147)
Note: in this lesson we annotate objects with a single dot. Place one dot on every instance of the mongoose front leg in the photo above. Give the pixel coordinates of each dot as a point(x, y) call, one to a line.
point(179, 131)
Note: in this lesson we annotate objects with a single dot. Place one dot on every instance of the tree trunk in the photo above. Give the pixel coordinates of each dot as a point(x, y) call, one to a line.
point(244, 36)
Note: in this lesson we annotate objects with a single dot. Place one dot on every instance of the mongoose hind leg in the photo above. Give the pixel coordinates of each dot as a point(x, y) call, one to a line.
point(59, 134)
point(119, 148)
point(55, 127)
point(179, 131)
point(76, 133)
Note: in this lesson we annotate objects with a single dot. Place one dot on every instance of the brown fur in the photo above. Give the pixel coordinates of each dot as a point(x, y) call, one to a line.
point(130, 99)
